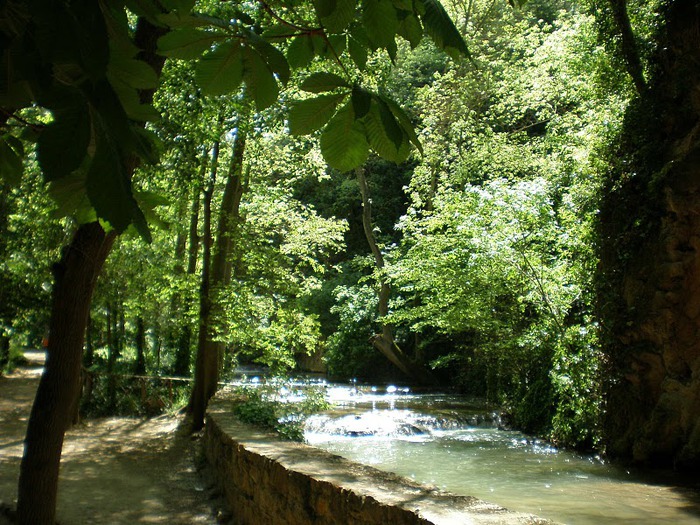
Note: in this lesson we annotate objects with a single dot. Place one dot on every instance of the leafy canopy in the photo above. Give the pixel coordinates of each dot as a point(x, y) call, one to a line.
point(90, 66)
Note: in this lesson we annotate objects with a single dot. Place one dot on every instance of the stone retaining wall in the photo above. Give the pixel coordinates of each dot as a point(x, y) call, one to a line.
point(270, 482)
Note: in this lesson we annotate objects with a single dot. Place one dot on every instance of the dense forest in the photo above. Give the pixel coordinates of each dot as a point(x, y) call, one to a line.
point(506, 208)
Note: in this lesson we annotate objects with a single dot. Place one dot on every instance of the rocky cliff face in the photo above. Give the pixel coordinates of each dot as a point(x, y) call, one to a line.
point(653, 411)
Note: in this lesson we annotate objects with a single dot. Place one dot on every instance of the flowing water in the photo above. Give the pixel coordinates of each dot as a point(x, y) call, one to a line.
point(456, 445)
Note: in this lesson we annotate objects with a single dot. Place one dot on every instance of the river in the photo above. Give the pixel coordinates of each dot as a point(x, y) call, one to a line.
point(455, 444)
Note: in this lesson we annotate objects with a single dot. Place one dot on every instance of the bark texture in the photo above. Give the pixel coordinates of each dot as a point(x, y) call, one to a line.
point(650, 261)
point(218, 275)
point(206, 369)
point(59, 388)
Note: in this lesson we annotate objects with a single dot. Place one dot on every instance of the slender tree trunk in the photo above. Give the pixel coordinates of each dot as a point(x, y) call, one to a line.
point(4, 315)
point(140, 366)
point(210, 352)
point(628, 44)
point(4, 351)
point(182, 360)
point(75, 278)
point(206, 365)
point(112, 356)
point(384, 341)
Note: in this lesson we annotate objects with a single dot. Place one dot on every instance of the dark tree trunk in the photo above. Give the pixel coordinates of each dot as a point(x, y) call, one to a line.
point(649, 283)
point(207, 363)
point(184, 344)
point(384, 341)
point(209, 352)
point(140, 366)
point(4, 352)
point(75, 278)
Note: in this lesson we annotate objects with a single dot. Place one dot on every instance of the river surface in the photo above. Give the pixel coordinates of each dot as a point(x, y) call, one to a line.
point(455, 444)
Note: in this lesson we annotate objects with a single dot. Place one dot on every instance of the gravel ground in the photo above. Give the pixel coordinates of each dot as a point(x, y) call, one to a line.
point(113, 471)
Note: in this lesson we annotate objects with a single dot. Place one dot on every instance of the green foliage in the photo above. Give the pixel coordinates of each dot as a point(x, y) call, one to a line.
point(348, 352)
point(128, 397)
point(266, 408)
point(82, 64)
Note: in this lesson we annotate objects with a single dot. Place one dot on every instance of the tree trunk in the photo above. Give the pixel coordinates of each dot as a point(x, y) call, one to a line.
point(207, 363)
point(59, 387)
point(4, 351)
point(140, 366)
point(209, 352)
point(182, 359)
point(649, 283)
point(384, 341)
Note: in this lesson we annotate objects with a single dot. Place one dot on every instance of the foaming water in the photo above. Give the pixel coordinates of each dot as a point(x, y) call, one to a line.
point(455, 444)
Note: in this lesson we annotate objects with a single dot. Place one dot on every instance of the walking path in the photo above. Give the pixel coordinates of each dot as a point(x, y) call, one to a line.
point(113, 471)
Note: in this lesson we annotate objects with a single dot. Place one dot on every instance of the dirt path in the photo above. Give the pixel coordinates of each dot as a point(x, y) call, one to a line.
point(113, 471)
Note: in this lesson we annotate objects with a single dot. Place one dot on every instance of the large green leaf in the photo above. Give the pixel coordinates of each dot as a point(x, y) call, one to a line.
point(272, 56)
point(259, 79)
point(63, 144)
point(381, 22)
point(361, 101)
point(442, 30)
point(384, 134)
point(187, 43)
point(300, 52)
point(404, 122)
point(134, 73)
point(410, 29)
point(337, 19)
point(322, 82)
point(109, 189)
point(358, 52)
point(220, 71)
point(184, 6)
point(129, 97)
point(306, 116)
point(71, 198)
point(343, 142)
point(324, 7)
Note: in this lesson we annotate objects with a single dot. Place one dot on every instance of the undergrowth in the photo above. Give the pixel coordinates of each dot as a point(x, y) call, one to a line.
point(269, 407)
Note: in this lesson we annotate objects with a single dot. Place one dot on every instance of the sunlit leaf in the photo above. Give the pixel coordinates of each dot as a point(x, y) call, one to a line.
point(306, 116)
point(342, 14)
point(272, 56)
point(322, 82)
point(343, 142)
point(187, 43)
point(134, 73)
point(109, 189)
point(380, 20)
point(404, 122)
point(259, 79)
point(358, 53)
point(384, 134)
point(442, 30)
point(221, 70)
